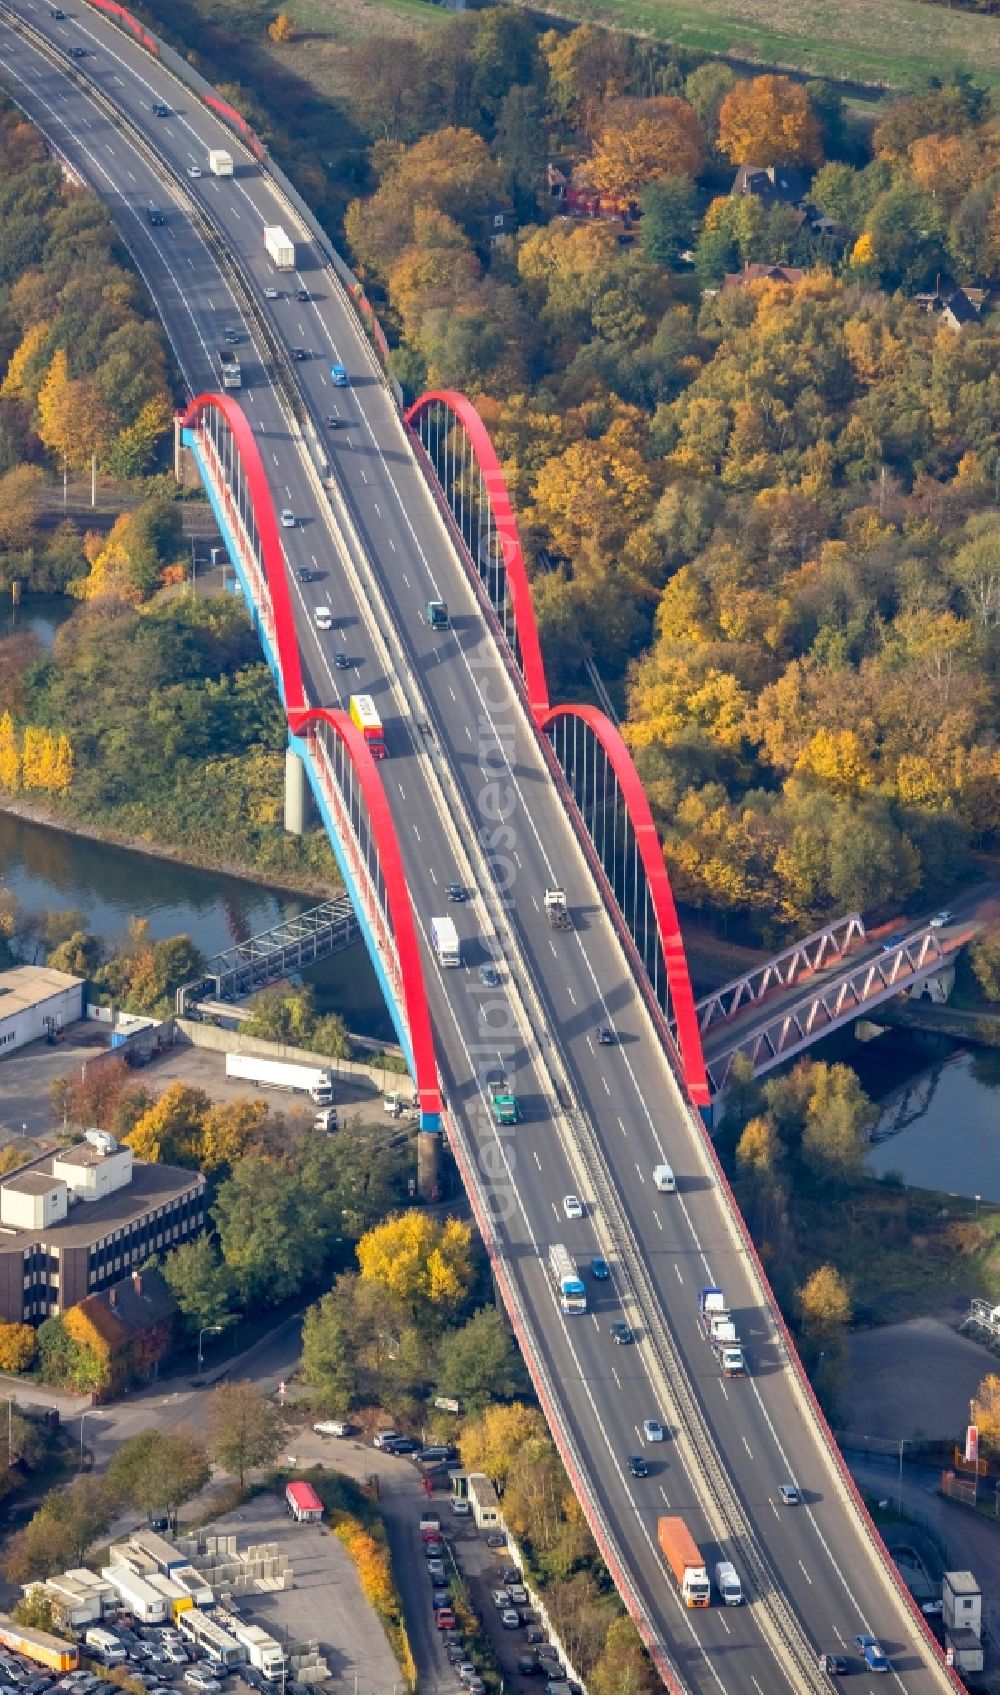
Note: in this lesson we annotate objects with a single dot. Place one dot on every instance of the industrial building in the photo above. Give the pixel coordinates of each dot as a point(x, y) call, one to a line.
point(76, 1222)
point(36, 1002)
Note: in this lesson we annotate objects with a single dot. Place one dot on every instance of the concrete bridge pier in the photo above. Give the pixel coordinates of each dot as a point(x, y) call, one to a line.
point(298, 800)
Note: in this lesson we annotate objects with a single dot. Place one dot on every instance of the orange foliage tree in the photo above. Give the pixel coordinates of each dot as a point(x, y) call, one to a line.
point(641, 140)
point(768, 121)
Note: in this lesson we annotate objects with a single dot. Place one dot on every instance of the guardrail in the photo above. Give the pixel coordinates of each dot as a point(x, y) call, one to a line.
point(546, 1394)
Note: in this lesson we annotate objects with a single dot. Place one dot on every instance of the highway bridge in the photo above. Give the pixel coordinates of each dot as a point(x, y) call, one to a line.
point(477, 790)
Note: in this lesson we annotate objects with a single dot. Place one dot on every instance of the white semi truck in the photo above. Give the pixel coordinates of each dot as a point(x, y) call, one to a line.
point(280, 250)
point(315, 1081)
point(444, 937)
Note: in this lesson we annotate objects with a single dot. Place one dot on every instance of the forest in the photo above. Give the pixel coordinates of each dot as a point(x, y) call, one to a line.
point(750, 419)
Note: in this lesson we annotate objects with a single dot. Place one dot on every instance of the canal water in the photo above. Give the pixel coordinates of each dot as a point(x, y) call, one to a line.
point(111, 885)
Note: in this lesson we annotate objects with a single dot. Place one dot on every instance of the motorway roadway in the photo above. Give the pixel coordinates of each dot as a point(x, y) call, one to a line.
point(813, 1555)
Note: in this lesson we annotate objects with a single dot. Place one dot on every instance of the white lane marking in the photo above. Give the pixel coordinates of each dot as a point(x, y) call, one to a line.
point(805, 1574)
point(416, 832)
point(433, 875)
point(659, 1225)
point(747, 1446)
point(571, 994)
point(607, 1085)
point(536, 1158)
point(677, 1269)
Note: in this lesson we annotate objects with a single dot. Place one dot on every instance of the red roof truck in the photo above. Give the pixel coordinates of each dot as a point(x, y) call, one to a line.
point(681, 1554)
point(303, 1503)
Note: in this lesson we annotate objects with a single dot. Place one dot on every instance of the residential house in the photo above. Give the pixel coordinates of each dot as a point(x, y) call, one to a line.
point(130, 1327)
point(761, 273)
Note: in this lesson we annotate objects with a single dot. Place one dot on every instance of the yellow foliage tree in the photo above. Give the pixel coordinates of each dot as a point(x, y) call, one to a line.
point(672, 695)
point(18, 1346)
point(837, 759)
point(62, 765)
point(37, 758)
point(493, 1443)
point(281, 28)
point(641, 140)
point(768, 120)
point(10, 755)
point(824, 1302)
point(595, 492)
point(418, 1261)
point(170, 1131)
point(230, 1130)
point(111, 573)
point(863, 251)
point(986, 1410)
point(17, 383)
point(756, 1150)
point(72, 417)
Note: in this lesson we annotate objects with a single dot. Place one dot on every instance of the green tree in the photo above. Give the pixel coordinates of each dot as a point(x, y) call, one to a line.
point(61, 1531)
point(244, 1428)
point(80, 954)
point(479, 1363)
point(624, 1667)
point(159, 1470)
point(669, 211)
point(984, 957)
point(200, 1283)
point(265, 1241)
point(65, 1362)
point(839, 1117)
point(36, 1611)
point(329, 1361)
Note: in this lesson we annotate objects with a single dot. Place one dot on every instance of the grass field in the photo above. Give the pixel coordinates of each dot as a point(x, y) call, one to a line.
point(888, 43)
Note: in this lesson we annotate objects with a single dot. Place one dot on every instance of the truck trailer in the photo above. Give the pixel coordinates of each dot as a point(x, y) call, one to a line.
point(445, 940)
point(303, 1503)
point(279, 249)
point(569, 1284)
point(365, 717)
point(680, 1550)
point(220, 163)
point(38, 1645)
point(717, 1323)
point(265, 1654)
point(229, 366)
point(556, 910)
point(316, 1082)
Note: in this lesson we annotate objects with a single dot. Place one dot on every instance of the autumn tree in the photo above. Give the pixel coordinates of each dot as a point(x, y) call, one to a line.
point(18, 1347)
point(10, 755)
point(757, 1148)
point(492, 1443)
point(61, 1531)
point(839, 1117)
point(158, 1470)
point(641, 141)
point(170, 1131)
point(244, 1429)
point(624, 1667)
point(824, 1303)
point(419, 1262)
point(230, 1130)
point(984, 957)
point(587, 67)
point(281, 28)
point(986, 1411)
point(767, 120)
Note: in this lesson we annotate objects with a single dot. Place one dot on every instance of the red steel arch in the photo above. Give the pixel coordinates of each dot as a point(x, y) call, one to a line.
point(300, 716)
point(510, 540)
point(661, 894)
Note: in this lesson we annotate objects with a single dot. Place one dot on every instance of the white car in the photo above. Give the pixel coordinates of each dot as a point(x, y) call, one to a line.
point(324, 618)
point(202, 1682)
point(271, 293)
point(940, 919)
point(460, 1508)
point(332, 1427)
point(572, 1206)
point(194, 171)
point(383, 1436)
point(287, 518)
point(652, 1429)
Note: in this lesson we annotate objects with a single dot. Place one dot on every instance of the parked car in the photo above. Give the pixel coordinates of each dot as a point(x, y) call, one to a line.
point(510, 1618)
point(445, 1619)
point(460, 1506)
point(496, 1539)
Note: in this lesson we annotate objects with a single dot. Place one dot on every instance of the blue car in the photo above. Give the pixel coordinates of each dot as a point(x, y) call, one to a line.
point(871, 1653)
point(600, 1270)
point(338, 376)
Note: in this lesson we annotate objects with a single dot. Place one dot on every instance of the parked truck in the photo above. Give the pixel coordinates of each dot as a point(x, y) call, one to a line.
point(727, 1582)
point(303, 1503)
point(556, 910)
point(229, 365)
point(718, 1325)
point(279, 249)
point(435, 615)
point(220, 163)
point(315, 1081)
point(445, 940)
point(680, 1550)
point(503, 1101)
point(569, 1284)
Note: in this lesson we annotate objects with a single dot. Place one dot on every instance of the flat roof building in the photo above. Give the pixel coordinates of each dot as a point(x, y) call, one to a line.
point(75, 1222)
point(35, 1002)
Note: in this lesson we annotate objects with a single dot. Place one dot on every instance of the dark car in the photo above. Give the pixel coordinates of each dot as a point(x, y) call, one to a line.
point(57, 13)
point(401, 1445)
point(340, 662)
point(600, 1270)
point(509, 1575)
point(836, 1664)
point(434, 1455)
point(305, 575)
point(332, 423)
point(299, 353)
point(622, 1333)
point(160, 110)
point(496, 1539)
point(78, 52)
point(534, 1635)
point(490, 976)
point(457, 892)
point(637, 1465)
point(605, 1036)
point(303, 295)
point(528, 1667)
point(155, 217)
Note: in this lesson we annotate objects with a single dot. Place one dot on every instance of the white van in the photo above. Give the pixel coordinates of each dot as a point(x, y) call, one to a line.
point(663, 1177)
point(112, 1651)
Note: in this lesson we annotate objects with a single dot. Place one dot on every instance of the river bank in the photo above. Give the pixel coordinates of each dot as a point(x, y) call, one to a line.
point(49, 817)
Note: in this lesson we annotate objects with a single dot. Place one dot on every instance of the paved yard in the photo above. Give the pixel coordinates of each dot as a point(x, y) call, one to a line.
point(26, 1078)
point(326, 1602)
point(912, 1380)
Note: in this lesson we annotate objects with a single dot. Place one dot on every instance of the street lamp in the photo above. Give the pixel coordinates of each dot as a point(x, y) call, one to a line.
point(83, 1417)
point(899, 1491)
point(206, 1330)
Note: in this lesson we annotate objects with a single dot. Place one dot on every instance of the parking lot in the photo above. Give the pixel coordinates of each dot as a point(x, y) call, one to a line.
point(26, 1079)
